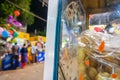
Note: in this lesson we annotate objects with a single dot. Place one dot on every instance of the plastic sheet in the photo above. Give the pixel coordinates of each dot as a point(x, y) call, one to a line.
point(99, 56)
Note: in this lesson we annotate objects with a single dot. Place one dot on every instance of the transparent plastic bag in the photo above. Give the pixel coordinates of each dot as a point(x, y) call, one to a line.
point(96, 64)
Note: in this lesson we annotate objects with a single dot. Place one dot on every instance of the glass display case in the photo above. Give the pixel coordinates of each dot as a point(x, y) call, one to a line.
point(75, 54)
point(72, 24)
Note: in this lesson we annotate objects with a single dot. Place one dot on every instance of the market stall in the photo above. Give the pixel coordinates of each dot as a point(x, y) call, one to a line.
point(38, 38)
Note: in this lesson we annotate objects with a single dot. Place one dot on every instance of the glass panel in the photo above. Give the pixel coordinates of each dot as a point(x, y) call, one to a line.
point(105, 21)
point(90, 55)
point(101, 43)
point(72, 23)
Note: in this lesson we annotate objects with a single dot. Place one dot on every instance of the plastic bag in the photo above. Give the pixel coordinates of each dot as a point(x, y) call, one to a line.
point(99, 55)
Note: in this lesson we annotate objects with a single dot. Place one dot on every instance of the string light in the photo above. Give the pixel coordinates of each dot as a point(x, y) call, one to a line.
point(27, 11)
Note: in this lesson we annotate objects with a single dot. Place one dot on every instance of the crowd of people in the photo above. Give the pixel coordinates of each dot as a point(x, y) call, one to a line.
point(25, 54)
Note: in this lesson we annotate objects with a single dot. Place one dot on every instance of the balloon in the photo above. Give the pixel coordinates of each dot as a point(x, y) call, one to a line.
point(17, 13)
point(10, 19)
point(8, 39)
point(11, 32)
point(15, 34)
point(16, 23)
point(19, 25)
point(14, 40)
point(8, 25)
point(11, 28)
point(1, 30)
point(5, 34)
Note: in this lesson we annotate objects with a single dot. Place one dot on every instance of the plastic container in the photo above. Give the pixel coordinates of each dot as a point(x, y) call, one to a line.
point(40, 57)
point(7, 62)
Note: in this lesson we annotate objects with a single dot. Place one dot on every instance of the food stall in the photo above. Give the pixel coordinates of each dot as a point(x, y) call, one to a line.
point(38, 38)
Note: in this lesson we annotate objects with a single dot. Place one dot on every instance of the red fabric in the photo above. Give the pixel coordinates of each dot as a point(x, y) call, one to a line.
point(23, 65)
point(97, 29)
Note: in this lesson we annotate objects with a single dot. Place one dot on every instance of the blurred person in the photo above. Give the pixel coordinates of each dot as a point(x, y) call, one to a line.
point(33, 53)
point(23, 52)
point(9, 46)
point(39, 49)
point(29, 54)
point(15, 52)
point(39, 46)
point(44, 45)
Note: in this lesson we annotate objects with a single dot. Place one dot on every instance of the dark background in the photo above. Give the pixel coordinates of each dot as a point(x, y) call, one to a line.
point(41, 11)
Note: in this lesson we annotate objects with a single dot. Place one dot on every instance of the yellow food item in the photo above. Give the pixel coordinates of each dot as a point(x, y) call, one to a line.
point(92, 72)
point(103, 76)
point(81, 54)
point(81, 68)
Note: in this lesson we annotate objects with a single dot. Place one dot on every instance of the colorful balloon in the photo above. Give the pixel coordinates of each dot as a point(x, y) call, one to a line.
point(19, 25)
point(10, 19)
point(5, 34)
point(1, 30)
point(15, 34)
point(8, 39)
point(8, 25)
point(16, 23)
point(11, 28)
point(17, 13)
point(14, 40)
point(11, 32)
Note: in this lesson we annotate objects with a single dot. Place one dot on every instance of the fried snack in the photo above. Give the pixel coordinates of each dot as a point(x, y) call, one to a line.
point(81, 68)
point(103, 76)
point(101, 61)
point(91, 72)
point(81, 55)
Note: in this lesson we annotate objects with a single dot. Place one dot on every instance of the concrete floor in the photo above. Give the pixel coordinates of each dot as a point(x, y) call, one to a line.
point(30, 72)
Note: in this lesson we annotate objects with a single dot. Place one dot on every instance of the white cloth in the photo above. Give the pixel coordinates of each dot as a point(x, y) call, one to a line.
point(33, 50)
